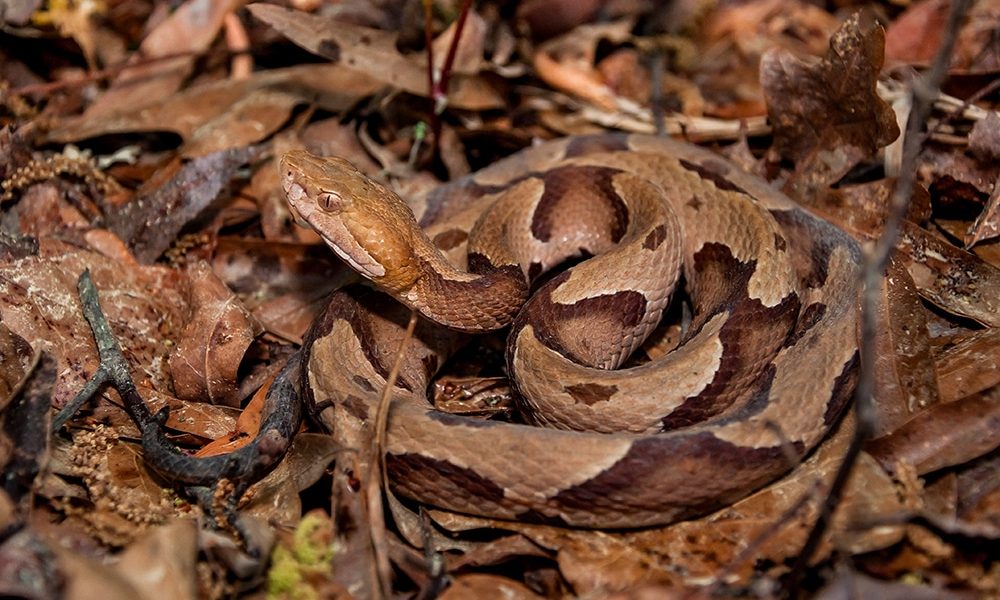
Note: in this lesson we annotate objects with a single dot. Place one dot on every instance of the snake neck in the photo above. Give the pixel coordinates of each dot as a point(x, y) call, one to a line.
point(490, 295)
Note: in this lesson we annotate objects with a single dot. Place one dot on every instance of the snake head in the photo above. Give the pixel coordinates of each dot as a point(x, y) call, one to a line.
point(366, 224)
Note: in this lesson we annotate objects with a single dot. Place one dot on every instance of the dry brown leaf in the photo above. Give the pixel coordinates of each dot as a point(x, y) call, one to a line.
point(208, 116)
point(247, 426)
point(165, 58)
point(24, 429)
point(987, 224)
point(116, 499)
point(355, 567)
point(195, 420)
point(211, 346)
point(471, 47)
point(275, 499)
point(547, 18)
point(330, 137)
point(828, 116)
point(27, 568)
point(850, 584)
point(373, 51)
point(861, 208)
point(955, 280)
point(177, 194)
point(943, 435)
point(735, 34)
point(494, 552)
point(567, 62)
point(161, 563)
point(978, 489)
point(87, 578)
point(134, 484)
point(15, 359)
point(43, 210)
point(984, 139)
point(285, 286)
point(756, 25)
point(905, 381)
point(625, 73)
point(954, 178)
point(915, 35)
point(487, 587)
point(970, 365)
point(38, 301)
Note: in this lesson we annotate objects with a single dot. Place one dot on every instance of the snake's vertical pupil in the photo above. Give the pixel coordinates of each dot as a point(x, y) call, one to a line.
point(329, 201)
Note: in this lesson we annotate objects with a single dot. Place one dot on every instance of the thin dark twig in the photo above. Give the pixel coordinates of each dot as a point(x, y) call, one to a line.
point(924, 91)
point(89, 390)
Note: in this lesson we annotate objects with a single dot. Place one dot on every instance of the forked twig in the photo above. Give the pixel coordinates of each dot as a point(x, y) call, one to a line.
point(924, 91)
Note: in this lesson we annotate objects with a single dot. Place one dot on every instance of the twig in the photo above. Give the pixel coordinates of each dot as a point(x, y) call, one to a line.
point(377, 472)
point(924, 91)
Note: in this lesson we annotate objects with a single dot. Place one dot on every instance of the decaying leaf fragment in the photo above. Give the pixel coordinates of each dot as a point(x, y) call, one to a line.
point(231, 113)
point(827, 116)
point(951, 278)
point(151, 221)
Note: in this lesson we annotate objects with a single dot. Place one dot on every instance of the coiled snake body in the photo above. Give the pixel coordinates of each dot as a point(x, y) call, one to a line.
point(764, 369)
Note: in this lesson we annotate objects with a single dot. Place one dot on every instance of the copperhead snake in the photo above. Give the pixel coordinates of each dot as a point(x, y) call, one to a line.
point(764, 369)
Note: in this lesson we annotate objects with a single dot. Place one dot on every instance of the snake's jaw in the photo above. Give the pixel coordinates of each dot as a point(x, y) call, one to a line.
point(340, 239)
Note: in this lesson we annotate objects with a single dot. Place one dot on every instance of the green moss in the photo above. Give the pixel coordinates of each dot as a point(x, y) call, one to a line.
point(293, 568)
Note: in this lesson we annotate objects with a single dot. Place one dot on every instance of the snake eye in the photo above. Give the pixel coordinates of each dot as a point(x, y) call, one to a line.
point(330, 201)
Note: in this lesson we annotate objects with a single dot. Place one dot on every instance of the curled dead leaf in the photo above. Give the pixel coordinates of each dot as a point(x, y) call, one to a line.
point(205, 361)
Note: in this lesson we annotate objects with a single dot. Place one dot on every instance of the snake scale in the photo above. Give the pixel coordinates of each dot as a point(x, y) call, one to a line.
point(761, 373)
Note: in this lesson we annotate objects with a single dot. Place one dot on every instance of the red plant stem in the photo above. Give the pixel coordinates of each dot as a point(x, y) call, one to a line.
point(442, 90)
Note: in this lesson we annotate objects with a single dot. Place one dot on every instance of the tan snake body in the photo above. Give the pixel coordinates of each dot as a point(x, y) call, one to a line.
point(764, 369)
